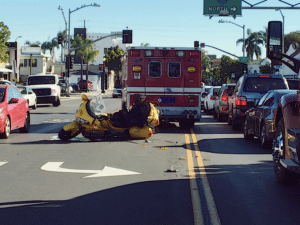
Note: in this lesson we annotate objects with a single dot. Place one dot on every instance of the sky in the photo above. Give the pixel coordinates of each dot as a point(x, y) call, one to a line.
point(162, 23)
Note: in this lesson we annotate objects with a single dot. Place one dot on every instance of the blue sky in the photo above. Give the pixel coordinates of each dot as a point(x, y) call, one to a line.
point(157, 22)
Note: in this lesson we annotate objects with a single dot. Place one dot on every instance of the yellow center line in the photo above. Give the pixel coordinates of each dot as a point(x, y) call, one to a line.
point(214, 217)
point(198, 217)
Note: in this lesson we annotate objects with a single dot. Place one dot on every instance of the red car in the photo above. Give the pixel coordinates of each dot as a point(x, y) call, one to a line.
point(82, 85)
point(14, 111)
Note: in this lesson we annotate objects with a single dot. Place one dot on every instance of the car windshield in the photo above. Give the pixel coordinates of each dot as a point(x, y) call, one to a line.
point(97, 105)
point(41, 80)
point(216, 91)
point(2, 94)
point(263, 84)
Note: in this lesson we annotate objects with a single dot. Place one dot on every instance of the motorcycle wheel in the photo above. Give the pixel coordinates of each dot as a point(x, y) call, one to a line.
point(66, 135)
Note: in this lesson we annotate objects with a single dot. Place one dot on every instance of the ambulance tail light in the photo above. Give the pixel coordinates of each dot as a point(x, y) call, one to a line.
point(180, 54)
point(137, 68)
point(194, 54)
point(191, 69)
point(149, 53)
point(135, 53)
point(240, 101)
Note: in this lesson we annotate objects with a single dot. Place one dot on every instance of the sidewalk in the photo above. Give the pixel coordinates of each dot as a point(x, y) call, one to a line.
point(108, 93)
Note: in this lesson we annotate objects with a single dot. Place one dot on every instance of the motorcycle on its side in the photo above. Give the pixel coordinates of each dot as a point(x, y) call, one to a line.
point(93, 123)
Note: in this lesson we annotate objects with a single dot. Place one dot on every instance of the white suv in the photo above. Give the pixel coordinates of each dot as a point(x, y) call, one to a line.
point(46, 88)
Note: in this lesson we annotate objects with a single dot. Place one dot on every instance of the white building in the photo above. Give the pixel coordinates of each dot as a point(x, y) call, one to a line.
point(104, 45)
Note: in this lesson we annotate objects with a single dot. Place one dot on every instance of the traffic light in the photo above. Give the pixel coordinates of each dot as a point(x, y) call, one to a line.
point(69, 62)
point(59, 39)
point(63, 74)
point(196, 44)
point(127, 36)
point(202, 45)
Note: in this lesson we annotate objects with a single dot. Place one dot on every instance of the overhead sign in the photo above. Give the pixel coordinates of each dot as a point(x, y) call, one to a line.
point(222, 7)
point(243, 59)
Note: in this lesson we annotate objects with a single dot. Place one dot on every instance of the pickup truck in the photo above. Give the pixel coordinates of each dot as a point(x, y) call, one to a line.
point(46, 88)
point(286, 141)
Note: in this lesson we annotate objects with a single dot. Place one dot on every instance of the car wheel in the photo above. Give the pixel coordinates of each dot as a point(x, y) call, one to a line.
point(57, 102)
point(263, 137)
point(6, 132)
point(34, 106)
point(215, 113)
point(26, 127)
point(247, 135)
point(66, 135)
point(282, 174)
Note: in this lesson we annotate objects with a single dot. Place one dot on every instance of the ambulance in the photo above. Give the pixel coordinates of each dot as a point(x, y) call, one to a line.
point(169, 77)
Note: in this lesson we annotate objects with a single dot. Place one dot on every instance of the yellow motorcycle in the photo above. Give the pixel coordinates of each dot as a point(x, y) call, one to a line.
point(93, 123)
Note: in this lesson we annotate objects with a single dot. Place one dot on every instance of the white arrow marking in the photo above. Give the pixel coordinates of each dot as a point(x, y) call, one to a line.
point(106, 172)
point(3, 163)
point(233, 8)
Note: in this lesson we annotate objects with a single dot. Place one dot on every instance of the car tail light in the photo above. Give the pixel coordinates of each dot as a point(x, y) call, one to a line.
point(264, 76)
point(225, 96)
point(212, 98)
point(224, 108)
point(240, 101)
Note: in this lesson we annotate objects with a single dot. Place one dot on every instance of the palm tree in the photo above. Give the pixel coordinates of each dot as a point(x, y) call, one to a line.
point(50, 45)
point(252, 43)
point(34, 44)
point(86, 53)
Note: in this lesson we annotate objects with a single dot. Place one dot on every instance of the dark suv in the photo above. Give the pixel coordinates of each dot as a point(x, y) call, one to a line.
point(248, 91)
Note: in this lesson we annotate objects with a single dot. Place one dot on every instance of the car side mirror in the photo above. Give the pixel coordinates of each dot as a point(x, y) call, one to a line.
point(13, 101)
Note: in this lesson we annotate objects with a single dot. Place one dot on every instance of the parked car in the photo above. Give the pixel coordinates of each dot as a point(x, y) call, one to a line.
point(204, 92)
point(221, 103)
point(210, 98)
point(117, 91)
point(64, 88)
point(260, 120)
point(7, 82)
point(248, 91)
point(29, 95)
point(82, 85)
point(14, 111)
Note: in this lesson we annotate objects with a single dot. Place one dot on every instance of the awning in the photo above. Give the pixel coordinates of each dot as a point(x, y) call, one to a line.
point(4, 70)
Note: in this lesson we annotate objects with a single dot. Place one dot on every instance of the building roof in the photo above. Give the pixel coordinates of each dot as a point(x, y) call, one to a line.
point(78, 72)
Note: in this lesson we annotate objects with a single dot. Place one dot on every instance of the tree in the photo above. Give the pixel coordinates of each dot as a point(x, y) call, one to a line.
point(293, 37)
point(4, 37)
point(113, 60)
point(86, 53)
point(34, 44)
point(266, 69)
point(252, 43)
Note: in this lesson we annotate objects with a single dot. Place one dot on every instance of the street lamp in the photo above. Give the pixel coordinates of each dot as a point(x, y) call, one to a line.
point(69, 35)
point(282, 26)
point(17, 38)
point(225, 21)
point(62, 11)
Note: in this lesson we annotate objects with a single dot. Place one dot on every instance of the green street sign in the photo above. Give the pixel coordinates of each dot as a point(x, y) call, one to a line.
point(220, 7)
point(243, 59)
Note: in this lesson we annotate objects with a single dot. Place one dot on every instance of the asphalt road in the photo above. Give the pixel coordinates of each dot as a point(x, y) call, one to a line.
point(207, 175)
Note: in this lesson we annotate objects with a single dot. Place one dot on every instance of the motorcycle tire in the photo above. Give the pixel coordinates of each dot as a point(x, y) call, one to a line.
point(66, 135)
